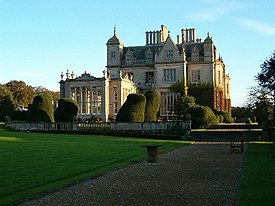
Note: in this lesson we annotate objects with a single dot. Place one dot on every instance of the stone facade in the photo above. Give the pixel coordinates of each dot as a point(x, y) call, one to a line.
point(155, 65)
point(100, 97)
point(161, 62)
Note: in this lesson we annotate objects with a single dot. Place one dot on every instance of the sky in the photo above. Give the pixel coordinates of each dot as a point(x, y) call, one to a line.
point(39, 39)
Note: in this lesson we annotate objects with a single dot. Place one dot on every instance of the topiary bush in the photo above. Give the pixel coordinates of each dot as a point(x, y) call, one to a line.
point(133, 109)
point(152, 106)
point(19, 115)
point(226, 116)
point(202, 116)
point(41, 109)
point(66, 111)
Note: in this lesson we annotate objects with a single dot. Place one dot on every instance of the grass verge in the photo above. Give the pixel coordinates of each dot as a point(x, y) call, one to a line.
point(258, 177)
point(32, 163)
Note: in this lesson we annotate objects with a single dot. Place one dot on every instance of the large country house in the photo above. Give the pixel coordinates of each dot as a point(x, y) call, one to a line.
point(155, 65)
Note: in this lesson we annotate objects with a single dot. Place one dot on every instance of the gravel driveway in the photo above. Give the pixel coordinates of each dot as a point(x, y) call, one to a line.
point(198, 174)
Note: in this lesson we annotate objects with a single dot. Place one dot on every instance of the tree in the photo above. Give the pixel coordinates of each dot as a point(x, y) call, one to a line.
point(66, 111)
point(260, 103)
point(54, 95)
point(22, 93)
point(7, 105)
point(133, 109)
point(182, 104)
point(152, 106)
point(266, 78)
point(41, 109)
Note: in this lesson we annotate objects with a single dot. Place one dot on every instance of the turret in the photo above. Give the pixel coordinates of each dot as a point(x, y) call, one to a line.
point(114, 51)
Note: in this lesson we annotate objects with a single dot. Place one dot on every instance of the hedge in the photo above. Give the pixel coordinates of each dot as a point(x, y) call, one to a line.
point(41, 109)
point(66, 111)
point(152, 106)
point(133, 109)
point(202, 116)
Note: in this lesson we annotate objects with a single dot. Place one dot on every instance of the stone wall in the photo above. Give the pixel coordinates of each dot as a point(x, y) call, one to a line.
point(118, 126)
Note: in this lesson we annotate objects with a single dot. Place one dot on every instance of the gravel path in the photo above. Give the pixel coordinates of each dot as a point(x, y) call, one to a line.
point(199, 174)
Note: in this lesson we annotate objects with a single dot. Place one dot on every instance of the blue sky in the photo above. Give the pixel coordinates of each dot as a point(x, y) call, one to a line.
point(41, 38)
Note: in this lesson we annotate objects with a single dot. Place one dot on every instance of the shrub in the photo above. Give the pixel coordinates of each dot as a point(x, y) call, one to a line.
point(133, 109)
point(41, 109)
point(182, 104)
point(19, 115)
point(220, 118)
point(152, 106)
point(226, 116)
point(66, 111)
point(202, 116)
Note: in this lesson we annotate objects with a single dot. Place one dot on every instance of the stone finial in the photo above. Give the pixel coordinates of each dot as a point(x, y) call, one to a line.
point(68, 74)
point(61, 75)
point(72, 75)
point(104, 73)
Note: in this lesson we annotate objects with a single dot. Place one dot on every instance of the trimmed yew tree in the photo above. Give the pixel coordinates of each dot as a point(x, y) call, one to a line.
point(152, 106)
point(41, 109)
point(66, 111)
point(202, 116)
point(133, 109)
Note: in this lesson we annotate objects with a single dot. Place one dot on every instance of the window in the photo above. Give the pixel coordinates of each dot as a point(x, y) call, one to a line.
point(167, 103)
point(115, 100)
point(195, 76)
point(169, 75)
point(96, 100)
point(169, 55)
point(113, 55)
point(219, 77)
point(227, 88)
point(149, 58)
point(149, 78)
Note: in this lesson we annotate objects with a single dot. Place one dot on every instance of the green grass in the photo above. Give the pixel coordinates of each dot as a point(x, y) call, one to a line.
point(32, 163)
point(257, 185)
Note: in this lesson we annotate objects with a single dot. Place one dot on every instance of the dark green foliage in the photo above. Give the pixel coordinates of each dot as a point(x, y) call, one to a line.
point(178, 87)
point(182, 104)
point(203, 93)
point(202, 116)
point(226, 116)
point(66, 111)
point(6, 102)
point(133, 109)
point(41, 109)
point(152, 106)
point(6, 107)
point(19, 115)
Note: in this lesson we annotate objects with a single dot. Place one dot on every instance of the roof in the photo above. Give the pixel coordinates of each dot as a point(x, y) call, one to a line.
point(113, 41)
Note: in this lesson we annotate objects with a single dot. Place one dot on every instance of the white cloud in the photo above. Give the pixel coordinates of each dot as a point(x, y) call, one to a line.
point(31, 74)
point(213, 10)
point(258, 26)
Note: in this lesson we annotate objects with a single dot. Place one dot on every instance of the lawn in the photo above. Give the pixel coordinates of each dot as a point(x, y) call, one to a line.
point(32, 163)
point(257, 185)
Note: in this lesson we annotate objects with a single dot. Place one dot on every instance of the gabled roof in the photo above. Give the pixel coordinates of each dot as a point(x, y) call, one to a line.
point(170, 40)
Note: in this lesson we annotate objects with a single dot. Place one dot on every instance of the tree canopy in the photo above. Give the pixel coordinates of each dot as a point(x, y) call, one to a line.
point(22, 93)
point(266, 77)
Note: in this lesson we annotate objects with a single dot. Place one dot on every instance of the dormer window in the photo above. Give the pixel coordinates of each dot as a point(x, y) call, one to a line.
point(169, 55)
point(149, 58)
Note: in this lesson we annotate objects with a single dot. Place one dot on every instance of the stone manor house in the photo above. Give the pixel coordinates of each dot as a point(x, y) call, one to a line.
point(155, 65)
